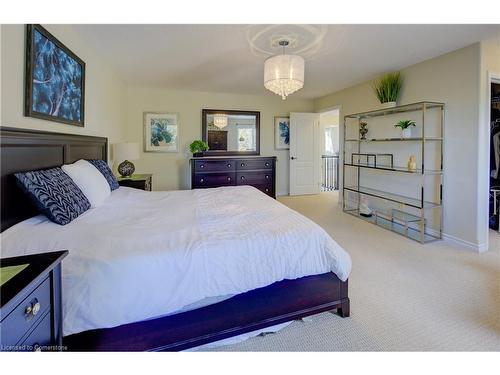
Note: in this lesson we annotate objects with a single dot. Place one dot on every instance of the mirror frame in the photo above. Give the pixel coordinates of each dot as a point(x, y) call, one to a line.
point(204, 131)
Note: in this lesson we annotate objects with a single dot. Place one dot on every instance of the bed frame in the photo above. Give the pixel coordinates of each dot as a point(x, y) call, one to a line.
point(23, 150)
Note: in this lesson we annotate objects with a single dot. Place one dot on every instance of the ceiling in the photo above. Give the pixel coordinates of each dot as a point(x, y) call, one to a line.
point(230, 58)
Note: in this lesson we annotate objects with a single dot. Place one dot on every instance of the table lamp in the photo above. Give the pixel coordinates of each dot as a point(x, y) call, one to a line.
point(125, 152)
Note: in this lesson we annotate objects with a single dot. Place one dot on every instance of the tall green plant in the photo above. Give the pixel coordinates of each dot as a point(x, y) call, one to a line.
point(388, 87)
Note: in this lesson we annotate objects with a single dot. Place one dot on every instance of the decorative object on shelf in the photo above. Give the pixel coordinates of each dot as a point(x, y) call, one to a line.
point(282, 133)
point(284, 74)
point(161, 132)
point(55, 79)
point(363, 130)
point(412, 163)
point(364, 210)
point(387, 89)
point(405, 128)
point(197, 147)
point(124, 152)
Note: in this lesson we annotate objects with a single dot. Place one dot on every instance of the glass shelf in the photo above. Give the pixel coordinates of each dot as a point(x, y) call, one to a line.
point(413, 107)
point(409, 201)
point(395, 139)
point(396, 169)
point(401, 229)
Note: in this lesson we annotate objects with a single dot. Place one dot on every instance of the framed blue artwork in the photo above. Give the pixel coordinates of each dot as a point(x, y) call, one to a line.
point(55, 79)
point(282, 133)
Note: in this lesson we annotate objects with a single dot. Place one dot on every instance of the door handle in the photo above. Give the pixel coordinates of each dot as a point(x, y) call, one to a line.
point(293, 157)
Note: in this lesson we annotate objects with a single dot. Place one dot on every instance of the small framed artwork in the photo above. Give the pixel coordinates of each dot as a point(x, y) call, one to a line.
point(282, 133)
point(54, 81)
point(161, 132)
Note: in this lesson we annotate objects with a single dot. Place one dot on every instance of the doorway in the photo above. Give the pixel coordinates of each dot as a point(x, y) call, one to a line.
point(329, 150)
point(494, 159)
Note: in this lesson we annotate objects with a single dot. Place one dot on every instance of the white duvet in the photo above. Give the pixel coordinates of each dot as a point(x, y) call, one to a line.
point(145, 254)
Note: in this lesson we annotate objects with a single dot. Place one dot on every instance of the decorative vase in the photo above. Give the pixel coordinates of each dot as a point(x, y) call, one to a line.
point(406, 133)
point(126, 168)
point(197, 154)
point(412, 163)
point(388, 105)
point(363, 130)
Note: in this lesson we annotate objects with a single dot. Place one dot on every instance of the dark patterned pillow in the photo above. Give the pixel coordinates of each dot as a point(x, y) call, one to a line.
point(54, 193)
point(103, 167)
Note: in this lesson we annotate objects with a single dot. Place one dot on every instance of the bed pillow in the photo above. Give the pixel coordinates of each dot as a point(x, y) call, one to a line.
point(103, 167)
point(89, 180)
point(54, 193)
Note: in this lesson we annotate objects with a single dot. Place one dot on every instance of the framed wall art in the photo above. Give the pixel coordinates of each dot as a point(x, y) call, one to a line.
point(54, 81)
point(161, 132)
point(282, 133)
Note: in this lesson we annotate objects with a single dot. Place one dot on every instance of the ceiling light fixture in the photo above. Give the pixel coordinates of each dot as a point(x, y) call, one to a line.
point(284, 74)
point(220, 120)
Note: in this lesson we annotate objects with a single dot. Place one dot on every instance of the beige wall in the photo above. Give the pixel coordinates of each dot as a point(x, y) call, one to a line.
point(452, 79)
point(171, 170)
point(104, 92)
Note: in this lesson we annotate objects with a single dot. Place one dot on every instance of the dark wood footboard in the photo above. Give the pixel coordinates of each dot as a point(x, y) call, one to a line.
point(277, 303)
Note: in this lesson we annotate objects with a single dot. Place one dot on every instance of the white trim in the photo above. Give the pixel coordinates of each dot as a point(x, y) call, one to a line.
point(282, 193)
point(480, 248)
point(471, 246)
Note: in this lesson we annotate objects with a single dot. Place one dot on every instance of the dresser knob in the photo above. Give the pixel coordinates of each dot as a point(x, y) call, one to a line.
point(202, 180)
point(229, 165)
point(229, 178)
point(242, 177)
point(267, 177)
point(267, 190)
point(267, 164)
point(32, 309)
point(242, 164)
point(202, 165)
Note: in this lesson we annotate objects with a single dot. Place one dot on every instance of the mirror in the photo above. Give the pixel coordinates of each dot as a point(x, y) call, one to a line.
point(231, 132)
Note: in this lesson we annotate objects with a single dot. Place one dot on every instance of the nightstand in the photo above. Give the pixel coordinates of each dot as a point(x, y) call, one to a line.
point(137, 181)
point(30, 307)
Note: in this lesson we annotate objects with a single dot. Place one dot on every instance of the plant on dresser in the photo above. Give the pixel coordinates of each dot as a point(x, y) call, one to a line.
point(233, 171)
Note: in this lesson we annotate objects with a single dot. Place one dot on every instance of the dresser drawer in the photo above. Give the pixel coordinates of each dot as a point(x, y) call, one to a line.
point(250, 178)
point(40, 338)
point(27, 314)
point(202, 180)
point(260, 163)
point(266, 189)
point(214, 165)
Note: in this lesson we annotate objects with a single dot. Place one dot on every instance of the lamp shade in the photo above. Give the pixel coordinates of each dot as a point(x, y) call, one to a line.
point(126, 151)
point(284, 74)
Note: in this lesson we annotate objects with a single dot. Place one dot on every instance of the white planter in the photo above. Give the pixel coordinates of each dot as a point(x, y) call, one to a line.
point(388, 105)
point(406, 133)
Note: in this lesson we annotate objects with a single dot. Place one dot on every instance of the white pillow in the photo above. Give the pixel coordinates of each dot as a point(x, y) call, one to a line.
point(90, 181)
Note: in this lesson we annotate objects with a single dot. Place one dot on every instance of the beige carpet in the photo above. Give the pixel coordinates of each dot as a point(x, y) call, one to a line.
point(404, 296)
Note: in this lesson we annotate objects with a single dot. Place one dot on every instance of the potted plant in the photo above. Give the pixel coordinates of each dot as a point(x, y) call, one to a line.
point(387, 89)
point(405, 127)
point(197, 147)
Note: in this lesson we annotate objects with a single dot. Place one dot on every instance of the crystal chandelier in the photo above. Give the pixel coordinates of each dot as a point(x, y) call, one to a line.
point(284, 74)
point(220, 120)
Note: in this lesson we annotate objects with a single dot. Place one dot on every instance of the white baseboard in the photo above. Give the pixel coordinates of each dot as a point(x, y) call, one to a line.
point(282, 193)
point(478, 248)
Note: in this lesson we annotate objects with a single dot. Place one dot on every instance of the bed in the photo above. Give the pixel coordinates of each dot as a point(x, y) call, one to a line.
point(171, 270)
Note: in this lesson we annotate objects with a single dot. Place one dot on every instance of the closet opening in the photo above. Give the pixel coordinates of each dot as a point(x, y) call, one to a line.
point(494, 160)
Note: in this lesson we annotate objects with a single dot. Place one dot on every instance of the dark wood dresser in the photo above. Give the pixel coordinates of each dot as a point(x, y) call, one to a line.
point(259, 171)
point(31, 310)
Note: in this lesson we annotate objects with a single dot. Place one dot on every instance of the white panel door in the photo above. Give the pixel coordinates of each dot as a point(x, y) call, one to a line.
point(304, 153)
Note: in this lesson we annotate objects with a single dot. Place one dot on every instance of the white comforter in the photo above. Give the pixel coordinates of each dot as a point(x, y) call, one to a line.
point(146, 254)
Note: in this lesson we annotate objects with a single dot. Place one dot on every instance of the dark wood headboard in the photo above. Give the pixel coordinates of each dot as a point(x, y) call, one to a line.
point(27, 150)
